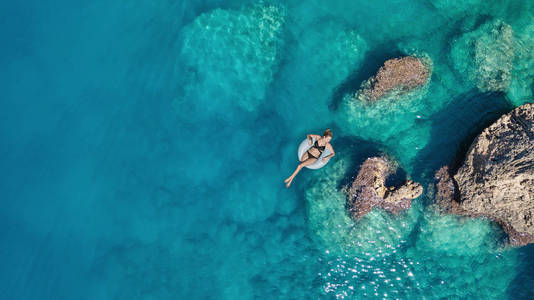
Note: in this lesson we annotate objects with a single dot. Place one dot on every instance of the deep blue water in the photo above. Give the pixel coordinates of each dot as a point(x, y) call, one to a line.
point(144, 146)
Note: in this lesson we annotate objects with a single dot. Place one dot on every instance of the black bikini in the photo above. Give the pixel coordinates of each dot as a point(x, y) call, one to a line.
point(316, 146)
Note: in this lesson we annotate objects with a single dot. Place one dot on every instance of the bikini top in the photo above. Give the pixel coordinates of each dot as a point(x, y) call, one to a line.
point(320, 148)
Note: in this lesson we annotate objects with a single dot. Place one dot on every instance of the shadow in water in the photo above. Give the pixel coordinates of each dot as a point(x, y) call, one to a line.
point(454, 129)
point(521, 286)
point(371, 63)
point(398, 178)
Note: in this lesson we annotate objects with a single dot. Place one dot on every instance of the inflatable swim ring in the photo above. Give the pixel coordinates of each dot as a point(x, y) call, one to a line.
point(304, 146)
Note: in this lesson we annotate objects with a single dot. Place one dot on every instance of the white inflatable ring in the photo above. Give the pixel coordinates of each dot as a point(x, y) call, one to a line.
point(304, 146)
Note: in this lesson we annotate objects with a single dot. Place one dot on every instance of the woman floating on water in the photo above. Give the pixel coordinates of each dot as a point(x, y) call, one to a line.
point(314, 152)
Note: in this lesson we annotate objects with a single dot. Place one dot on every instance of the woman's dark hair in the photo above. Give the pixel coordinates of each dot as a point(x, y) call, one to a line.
point(327, 132)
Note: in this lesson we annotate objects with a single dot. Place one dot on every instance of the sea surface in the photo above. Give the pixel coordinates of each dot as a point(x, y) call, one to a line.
point(144, 146)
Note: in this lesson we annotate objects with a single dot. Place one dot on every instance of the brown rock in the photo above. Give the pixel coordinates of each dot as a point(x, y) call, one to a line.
point(446, 192)
point(369, 190)
point(496, 179)
point(397, 74)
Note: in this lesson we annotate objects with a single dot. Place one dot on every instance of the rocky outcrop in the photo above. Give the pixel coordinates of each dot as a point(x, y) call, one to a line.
point(369, 190)
point(496, 180)
point(397, 75)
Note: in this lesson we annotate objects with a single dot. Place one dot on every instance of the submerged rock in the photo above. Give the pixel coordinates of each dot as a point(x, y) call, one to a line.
point(521, 87)
point(369, 190)
point(397, 75)
point(486, 56)
point(232, 55)
point(496, 179)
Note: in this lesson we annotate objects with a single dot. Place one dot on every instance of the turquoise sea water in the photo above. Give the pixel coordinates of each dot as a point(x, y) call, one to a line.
point(145, 143)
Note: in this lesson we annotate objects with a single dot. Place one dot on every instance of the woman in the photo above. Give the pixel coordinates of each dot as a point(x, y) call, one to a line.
point(313, 154)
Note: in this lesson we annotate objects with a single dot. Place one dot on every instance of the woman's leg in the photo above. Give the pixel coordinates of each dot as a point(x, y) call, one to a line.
point(307, 162)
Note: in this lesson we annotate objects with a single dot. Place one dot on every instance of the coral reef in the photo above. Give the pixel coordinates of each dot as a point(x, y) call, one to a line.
point(397, 75)
point(369, 190)
point(496, 179)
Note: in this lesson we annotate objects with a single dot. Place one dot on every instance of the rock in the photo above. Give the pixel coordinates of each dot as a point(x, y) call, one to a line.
point(397, 75)
point(496, 180)
point(486, 56)
point(446, 191)
point(404, 194)
point(369, 190)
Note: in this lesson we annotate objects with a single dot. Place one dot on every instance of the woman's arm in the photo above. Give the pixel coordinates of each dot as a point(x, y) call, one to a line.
point(310, 136)
point(329, 146)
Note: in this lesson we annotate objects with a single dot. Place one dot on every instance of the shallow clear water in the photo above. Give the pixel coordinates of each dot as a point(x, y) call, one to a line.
point(145, 146)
